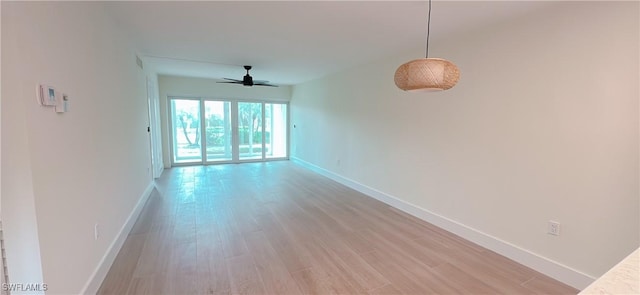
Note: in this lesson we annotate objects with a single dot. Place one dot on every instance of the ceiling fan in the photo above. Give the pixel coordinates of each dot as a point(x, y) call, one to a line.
point(248, 80)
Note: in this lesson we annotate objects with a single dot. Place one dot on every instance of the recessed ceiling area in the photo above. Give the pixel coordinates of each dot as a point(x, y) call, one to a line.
point(292, 42)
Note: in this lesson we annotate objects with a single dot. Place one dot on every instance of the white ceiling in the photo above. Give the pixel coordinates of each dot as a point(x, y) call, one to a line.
point(292, 42)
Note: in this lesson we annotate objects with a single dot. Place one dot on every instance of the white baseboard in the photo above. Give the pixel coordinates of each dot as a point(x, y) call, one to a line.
point(92, 286)
point(525, 257)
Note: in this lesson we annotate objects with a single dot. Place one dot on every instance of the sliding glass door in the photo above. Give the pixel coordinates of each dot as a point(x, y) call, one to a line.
point(218, 130)
point(185, 121)
point(275, 130)
point(250, 130)
point(230, 131)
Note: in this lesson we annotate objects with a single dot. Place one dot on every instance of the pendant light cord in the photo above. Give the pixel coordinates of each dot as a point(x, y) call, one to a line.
point(428, 29)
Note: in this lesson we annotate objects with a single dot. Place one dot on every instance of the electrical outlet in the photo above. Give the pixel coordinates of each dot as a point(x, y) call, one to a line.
point(554, 228)
point(96, 231)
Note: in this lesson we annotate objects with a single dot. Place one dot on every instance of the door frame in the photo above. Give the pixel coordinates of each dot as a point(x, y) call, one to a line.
point(155, 137)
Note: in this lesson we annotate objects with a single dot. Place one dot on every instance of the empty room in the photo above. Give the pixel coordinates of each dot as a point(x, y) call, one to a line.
point(320, 147)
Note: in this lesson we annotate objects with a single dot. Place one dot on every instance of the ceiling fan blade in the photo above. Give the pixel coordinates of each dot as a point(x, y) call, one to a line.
point(264, 84)
point(231, 82)
point(232, 79)
point(260, 81)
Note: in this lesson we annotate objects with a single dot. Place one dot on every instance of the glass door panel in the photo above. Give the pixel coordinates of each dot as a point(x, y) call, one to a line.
point(185, 121)
point(218, 130)
point(275, 130)
point(250, 130)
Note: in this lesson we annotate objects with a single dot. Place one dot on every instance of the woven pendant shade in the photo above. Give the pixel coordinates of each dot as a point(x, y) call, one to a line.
point(428, 74)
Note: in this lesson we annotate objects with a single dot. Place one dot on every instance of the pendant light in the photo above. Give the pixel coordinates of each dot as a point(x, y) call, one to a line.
point(427, 74)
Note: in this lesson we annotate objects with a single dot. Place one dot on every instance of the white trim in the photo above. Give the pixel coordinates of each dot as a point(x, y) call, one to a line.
point(92, 286)
point(556, 270)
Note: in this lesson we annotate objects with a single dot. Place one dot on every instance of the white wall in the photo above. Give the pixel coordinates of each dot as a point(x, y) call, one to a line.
point(199, 87)
point(63, 173)
point(18, 210)
point(543, 125)
point(2, 278)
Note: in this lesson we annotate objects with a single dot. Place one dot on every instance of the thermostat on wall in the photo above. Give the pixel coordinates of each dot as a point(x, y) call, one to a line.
point(47, 95)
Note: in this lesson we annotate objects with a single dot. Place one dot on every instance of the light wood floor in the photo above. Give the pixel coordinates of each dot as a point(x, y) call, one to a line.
point(276, 228)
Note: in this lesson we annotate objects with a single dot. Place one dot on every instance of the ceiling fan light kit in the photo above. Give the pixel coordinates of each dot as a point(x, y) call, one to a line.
point(427, 74)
